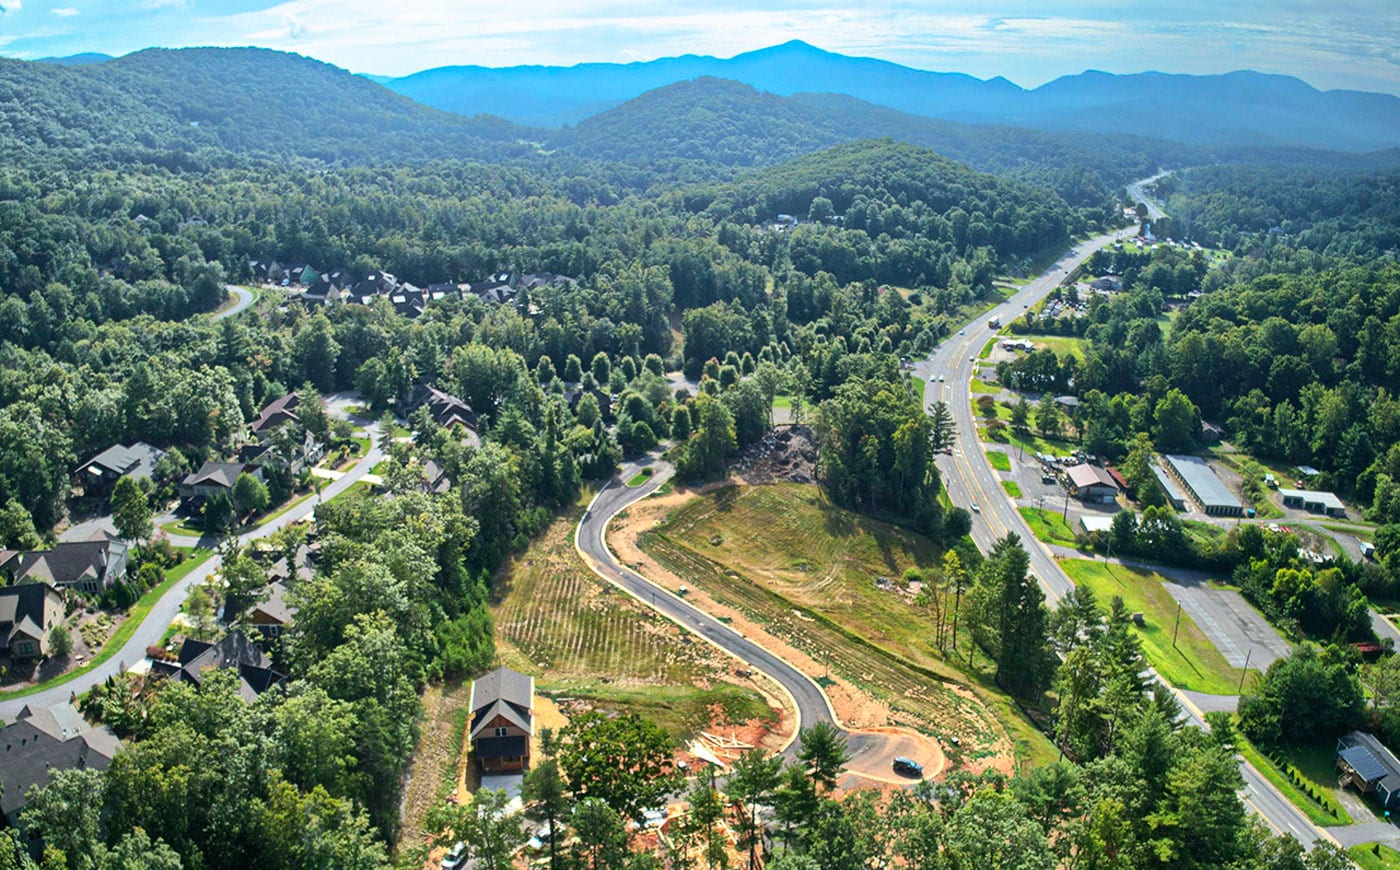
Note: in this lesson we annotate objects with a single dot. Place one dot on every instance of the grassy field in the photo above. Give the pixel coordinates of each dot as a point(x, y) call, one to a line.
point(586, 639)
point(782, 401)
point(981, 386)
point(1194, 663)
point(999, 460)
point(641, 477)
point(1305, 775)
point(806, 570)
point(1048, 526)
point(1012, 488)
point(1374, 856)
point(138, 613)
point(1061, 345)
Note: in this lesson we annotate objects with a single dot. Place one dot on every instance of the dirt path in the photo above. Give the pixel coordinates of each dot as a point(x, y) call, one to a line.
point(437, 752)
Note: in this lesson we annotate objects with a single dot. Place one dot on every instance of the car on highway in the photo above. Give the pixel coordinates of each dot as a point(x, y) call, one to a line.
point(962, 332)
point(908, 767)
point(975, 508)
point(940, 379)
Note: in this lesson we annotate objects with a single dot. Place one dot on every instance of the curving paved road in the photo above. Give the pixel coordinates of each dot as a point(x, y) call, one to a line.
point(590, 540)
point(149, 632)
point(245, 298)
point(1137, 194)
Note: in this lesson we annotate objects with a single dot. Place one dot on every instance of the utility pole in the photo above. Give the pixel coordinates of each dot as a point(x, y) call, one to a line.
point(1178, 624)
point(1244, 670)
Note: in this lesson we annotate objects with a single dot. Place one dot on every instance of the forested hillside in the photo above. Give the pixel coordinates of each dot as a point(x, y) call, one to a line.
point(178, 106)
point(732, 124)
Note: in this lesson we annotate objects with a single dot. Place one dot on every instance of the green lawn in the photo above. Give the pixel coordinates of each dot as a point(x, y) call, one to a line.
point(999, 460)
point(641, 477)
point(1293, 787)
point(918, 385)
point(981, 386)
point(987, 351)
point(782, 401)
point(191, 526)
point(139, 611)
point(1060, 344)
point(1012, 488)
point(1374, 856)
point(1048, 526)
point(1193, 663)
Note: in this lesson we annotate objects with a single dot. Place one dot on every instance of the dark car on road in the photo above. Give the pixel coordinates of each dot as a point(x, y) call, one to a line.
point(908, 767)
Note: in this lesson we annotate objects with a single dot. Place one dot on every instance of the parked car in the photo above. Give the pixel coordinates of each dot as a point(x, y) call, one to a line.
point(908, 767)
point(456, 857)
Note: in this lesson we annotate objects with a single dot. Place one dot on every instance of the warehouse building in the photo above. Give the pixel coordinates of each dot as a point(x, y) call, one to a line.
point(1314, 501)
point(1205, 487)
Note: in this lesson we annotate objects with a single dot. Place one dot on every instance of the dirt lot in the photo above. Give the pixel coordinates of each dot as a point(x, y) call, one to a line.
point(785, 453)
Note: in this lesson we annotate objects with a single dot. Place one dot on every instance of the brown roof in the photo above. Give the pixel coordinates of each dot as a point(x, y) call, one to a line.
point(1085, 475)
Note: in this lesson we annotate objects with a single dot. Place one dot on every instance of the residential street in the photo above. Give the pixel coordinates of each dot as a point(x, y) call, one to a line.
point(149, 632)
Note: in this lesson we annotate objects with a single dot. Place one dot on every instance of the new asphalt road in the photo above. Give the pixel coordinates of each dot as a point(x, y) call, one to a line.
point(245, 298)
point(590, 539)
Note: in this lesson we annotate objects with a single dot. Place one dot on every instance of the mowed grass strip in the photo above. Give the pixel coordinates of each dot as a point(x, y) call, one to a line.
point(805, 569)
point(999, 460)
point(1048, 526)
point(1012, 488)
point(1304, 763)
point(1193, 663)
point(1374, 856)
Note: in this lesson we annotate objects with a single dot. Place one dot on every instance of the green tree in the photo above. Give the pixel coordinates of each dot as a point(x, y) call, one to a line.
point(703, 453)
point(626, 761)
point(943, 428)
point(1048, 418)
point(753, 781)
point(249, 495)
point(547, 801)
point(1021, 416)
point(824, 754)
point(1137, 472)
point(131, 510)
point(60, 641)
point(492, 836)
point(1175, 422)
point(602, 835)
point(64, 815)
point(1309, 696)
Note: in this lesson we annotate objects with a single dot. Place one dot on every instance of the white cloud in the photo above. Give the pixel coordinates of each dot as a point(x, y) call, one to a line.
point(64, 11)
point(10, 6)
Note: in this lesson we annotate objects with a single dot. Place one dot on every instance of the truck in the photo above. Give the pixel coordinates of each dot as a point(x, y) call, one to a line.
point(994, 323)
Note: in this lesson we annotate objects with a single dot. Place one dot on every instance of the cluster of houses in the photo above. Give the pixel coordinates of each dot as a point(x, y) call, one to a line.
point(261, 450)
point(339, 286)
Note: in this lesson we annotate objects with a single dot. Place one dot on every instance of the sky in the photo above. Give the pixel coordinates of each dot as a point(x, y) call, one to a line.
point(1328, 43)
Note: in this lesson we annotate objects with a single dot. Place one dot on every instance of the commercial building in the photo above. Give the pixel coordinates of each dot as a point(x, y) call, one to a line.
point(1175, 497)
point(1205, 487)
point(1314, 501)
point(1091, 483)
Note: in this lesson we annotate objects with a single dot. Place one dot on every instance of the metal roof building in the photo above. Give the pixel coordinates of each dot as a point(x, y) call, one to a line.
point(1200, 480)
point(1370, 767)
point(1175, 497)
point(1312, 500)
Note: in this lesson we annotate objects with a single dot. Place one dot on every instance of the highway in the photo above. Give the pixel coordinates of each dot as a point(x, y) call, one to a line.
point(971, 480)
point(1137, 194)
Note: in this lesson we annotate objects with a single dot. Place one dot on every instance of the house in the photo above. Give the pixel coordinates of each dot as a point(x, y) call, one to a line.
point(502, 709)
point(1368, 766)
point(1107, 284)
point(28, 612)
point(100, 474)
point(88, 566)
point(1313, 501)
point(447, 410)
point(234, 652)
point(1091, 483)
point(214, 478)
point(43, 740)
point(435, 478)
point(275, 615)
point(573, 396)
point(278, 412)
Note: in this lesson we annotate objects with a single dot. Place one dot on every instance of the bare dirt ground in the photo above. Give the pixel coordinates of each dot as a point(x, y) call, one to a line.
point(857, 709)
point(785, 453)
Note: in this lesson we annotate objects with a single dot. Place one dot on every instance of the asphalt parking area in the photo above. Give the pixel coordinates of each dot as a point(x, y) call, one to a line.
point(873, 754)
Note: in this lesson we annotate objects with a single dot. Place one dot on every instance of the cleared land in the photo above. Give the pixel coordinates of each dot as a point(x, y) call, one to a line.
point(584, 639)
point(1193, 663)
point(809, 574)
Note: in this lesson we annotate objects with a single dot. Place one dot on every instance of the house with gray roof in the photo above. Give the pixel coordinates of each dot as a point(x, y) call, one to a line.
point(28, 612)
point(99, 475)
point(88, 566)
point(1369, 766)
point(214, 478)
point(43, 740)
point(236, 652)
point(502, 709)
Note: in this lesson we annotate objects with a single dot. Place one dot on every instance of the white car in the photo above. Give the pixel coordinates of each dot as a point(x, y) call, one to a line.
point(962, 332)
point(456, 857)
point(975, 508)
